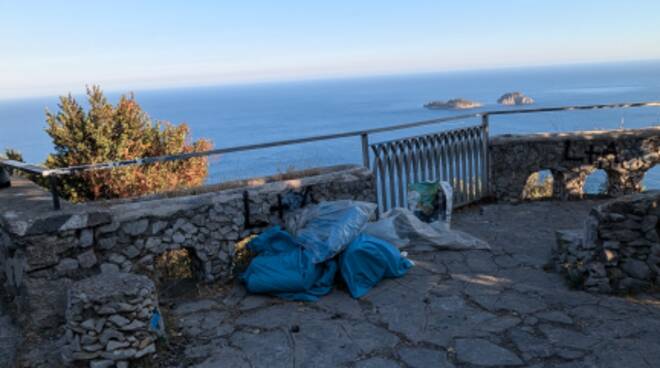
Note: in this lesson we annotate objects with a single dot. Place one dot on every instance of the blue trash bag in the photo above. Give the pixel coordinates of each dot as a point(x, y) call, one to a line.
point(283, 268)
point(327, 228)
point(368, 260)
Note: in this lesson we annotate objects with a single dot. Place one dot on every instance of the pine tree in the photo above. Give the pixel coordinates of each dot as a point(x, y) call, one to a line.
point(113, 133)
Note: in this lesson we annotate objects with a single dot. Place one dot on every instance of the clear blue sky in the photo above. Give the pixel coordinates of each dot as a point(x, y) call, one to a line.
point(52, 47)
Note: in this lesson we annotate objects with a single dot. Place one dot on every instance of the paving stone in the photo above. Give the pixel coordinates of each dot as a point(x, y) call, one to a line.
point(368, 337)
point(282, 315)
point(517, 302)
point(377, 362)
point(484, 353)
point(568, 338)
point(555, 316)
point(255, 301)
point(226, 357)
point(324, 344)
point(423, 358)
point(270, 349)
point(481, 261)
point(9, 339)
point(535, 347)
point(340, 303)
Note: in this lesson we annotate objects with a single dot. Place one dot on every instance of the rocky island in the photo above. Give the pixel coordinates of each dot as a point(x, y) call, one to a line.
point(456, 103)
point(515, 98)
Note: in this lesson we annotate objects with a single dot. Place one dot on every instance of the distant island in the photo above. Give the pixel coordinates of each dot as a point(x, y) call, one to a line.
point(456, 103)
point(515, 98)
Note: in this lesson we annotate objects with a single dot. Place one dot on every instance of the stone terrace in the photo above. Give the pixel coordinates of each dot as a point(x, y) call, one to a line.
point(455, 309)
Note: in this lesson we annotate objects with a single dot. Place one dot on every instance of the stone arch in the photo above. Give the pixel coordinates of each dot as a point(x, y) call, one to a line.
point(177, 265)
point(651, 180)
point(539, 185)
point(596, 182)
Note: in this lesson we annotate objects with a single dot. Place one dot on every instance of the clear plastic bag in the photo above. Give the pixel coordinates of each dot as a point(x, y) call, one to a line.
point(327, 228)
point(402, 228)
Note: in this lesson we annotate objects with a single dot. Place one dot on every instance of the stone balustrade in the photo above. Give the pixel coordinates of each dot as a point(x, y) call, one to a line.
point(625, 155)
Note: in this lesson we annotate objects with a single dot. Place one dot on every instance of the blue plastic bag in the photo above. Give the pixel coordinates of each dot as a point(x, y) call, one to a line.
point(282, 267)
point(327, 228)
point(368, 260)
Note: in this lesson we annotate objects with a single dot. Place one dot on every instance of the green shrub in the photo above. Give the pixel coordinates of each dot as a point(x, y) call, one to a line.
point(107, 133)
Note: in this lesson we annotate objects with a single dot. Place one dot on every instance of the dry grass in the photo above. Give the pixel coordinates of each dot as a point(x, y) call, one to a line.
point(242, 255)
point(174, 265)
point(537, 188)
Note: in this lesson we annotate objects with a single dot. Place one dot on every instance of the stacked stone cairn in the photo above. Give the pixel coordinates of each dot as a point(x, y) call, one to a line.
point(619, 249)
point(108, 320)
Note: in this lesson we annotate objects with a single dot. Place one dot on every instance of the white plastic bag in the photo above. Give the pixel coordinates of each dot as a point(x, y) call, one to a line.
point(385, 229)
point(402, 228)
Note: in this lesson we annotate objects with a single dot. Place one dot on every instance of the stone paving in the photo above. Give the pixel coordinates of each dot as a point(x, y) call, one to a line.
point(455, 309)
point(9, 337)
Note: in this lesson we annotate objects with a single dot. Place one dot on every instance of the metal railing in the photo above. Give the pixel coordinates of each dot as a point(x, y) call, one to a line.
point(458, 156)
point(476, 186)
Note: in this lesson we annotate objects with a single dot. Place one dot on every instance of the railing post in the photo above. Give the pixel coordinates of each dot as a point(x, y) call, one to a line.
point(485, 173)
point(5, 179)
point(365, 149)
point(53, 190)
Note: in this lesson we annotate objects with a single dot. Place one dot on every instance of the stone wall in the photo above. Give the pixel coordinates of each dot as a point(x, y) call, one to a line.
point(625, 155)
point(619, 249)
point(109, 320)
point(44, 252)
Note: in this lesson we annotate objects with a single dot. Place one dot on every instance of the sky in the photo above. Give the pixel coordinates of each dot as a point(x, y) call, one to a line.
point(55, 47)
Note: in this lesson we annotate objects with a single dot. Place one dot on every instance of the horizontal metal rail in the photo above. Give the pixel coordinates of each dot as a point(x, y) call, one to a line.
point(249, 147)
point(22, 166)
point(577, 107)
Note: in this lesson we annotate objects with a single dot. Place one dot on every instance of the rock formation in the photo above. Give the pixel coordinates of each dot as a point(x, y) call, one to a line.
point(456, 103)
point(515, 98)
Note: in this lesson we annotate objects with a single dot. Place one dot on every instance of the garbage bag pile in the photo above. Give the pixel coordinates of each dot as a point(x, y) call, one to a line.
point(334, 240)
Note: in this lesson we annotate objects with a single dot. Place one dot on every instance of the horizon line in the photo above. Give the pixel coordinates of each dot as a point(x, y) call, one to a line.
point(340, 76)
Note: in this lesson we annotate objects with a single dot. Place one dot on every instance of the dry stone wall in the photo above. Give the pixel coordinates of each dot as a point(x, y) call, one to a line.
point(43, 254)
point(625, 155)
point(619, 249)
point(109, 320)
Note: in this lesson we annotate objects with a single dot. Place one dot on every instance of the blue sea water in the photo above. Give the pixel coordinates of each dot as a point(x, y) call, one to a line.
point(244, 114)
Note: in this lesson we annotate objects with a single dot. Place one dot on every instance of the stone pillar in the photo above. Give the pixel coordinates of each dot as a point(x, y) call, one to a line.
point(569, 184)
point(109, 319)
point(621, 181)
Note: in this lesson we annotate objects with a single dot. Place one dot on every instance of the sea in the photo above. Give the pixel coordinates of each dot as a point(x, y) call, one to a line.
point(233, 115)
